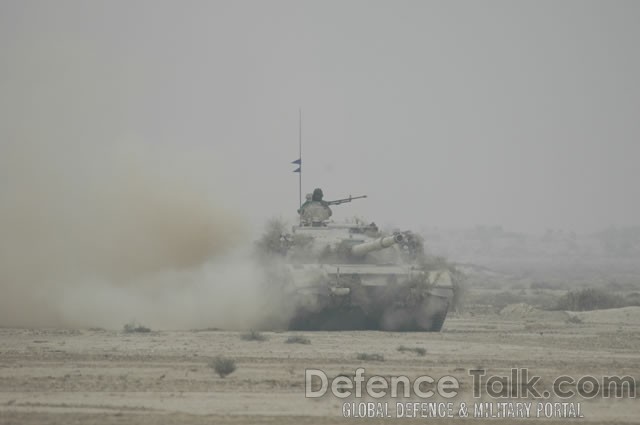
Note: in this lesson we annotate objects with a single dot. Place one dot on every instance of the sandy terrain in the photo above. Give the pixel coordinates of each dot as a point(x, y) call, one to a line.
point(100, 376)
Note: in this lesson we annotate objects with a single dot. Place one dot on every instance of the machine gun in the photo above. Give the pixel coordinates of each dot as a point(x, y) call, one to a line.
point(344, 200)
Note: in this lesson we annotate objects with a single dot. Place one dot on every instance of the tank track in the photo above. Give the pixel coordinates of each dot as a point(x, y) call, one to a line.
point(353, 318)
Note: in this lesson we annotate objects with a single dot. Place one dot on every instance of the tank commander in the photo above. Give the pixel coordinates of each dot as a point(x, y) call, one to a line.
point(316, 210)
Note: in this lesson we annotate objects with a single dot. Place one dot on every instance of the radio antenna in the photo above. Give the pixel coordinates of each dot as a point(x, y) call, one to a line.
point(299, 162)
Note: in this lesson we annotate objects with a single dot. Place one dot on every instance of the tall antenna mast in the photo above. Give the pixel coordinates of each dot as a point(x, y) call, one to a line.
point(300, 157)
point(299, 163)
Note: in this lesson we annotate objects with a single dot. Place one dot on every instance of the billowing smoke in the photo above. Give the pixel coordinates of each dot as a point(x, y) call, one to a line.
point(100, 235)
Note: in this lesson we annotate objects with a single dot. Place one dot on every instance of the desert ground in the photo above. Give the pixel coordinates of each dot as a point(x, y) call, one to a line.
point(88, 376)
point(507, 318)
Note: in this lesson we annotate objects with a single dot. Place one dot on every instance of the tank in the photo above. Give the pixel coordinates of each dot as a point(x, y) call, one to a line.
point(352, 276)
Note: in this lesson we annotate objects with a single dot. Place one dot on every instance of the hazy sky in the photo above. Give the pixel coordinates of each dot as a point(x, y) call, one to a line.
point(447, 113)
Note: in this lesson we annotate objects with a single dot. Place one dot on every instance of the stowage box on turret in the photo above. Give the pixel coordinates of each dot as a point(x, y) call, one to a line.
point(352, 276)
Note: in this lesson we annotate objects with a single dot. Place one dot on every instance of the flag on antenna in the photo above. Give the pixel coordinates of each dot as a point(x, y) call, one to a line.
point(298, 162)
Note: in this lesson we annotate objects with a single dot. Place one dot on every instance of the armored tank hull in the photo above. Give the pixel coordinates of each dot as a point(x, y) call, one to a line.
point(349, 301)
point(351, 277)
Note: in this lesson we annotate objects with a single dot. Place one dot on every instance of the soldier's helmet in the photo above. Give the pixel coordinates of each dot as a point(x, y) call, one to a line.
point(317, 194)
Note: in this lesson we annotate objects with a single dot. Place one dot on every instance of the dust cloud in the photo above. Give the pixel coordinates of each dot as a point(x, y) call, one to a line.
point(96, 235)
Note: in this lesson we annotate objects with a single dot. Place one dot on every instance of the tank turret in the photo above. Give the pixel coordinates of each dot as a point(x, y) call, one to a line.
point(376, 245)
point(315, 211)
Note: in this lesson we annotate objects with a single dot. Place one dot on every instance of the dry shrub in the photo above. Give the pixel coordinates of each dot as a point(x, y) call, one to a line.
point(371, 357)
point(298, 339)
point(223, 366)
point(574, 319)
point(135, 327)
point(254, 336)
point(588, 299)
point(418, 350)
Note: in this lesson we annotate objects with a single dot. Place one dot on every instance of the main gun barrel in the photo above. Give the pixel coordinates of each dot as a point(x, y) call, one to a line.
point(376, 245)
